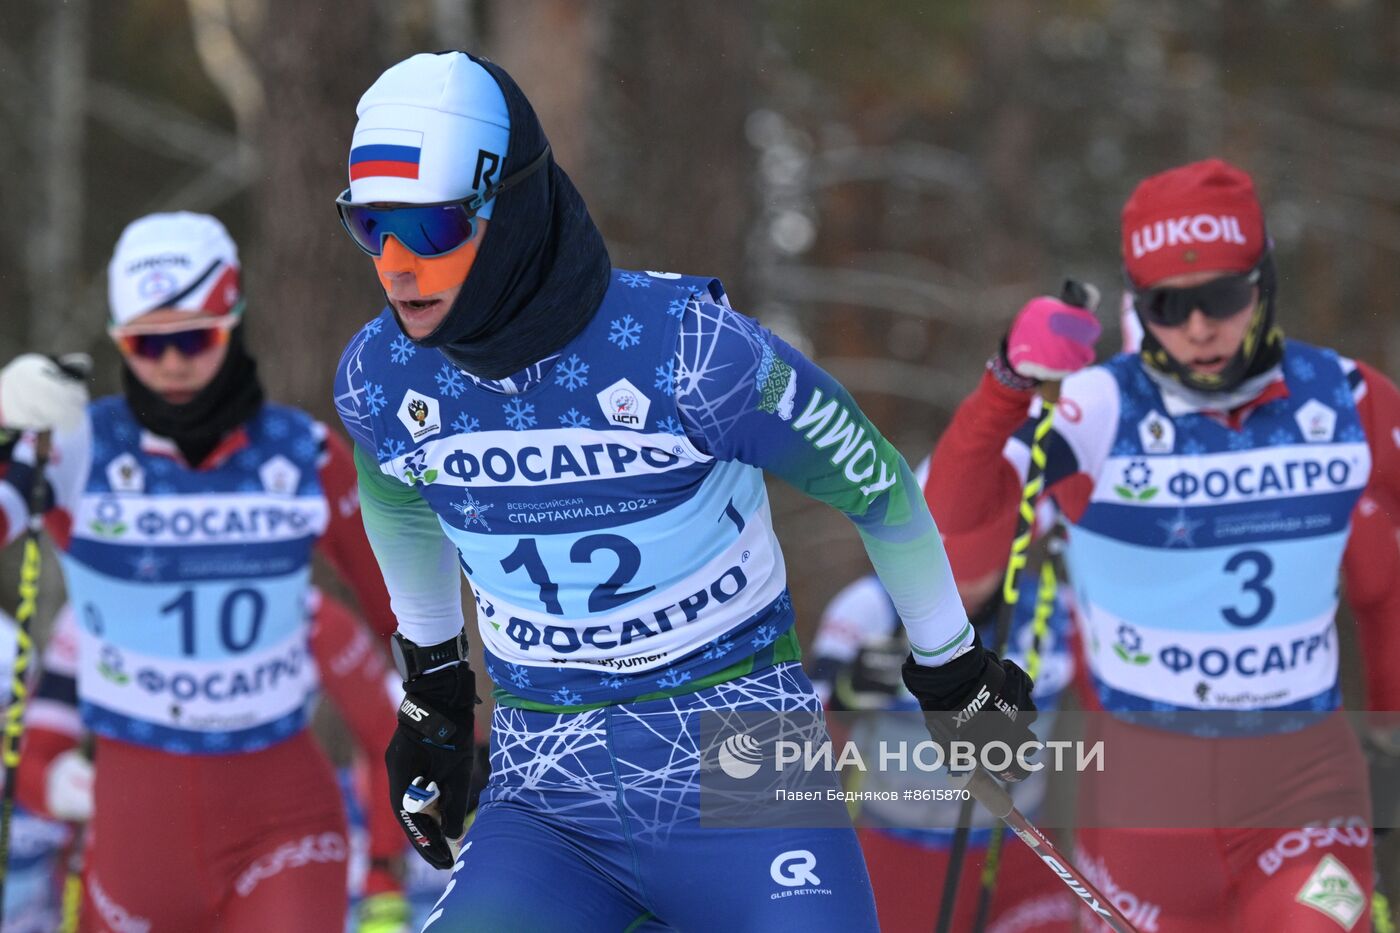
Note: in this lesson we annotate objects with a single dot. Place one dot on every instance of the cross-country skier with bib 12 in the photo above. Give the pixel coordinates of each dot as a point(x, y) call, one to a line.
point(186, 511)
point(588, 445)
point(1209, 479)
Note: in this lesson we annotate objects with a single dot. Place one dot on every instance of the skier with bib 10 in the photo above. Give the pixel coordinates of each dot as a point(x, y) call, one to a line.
point(185, 511)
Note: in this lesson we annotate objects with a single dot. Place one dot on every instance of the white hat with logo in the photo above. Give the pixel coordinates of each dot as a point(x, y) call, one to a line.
point(432, 128)
point(179, 260)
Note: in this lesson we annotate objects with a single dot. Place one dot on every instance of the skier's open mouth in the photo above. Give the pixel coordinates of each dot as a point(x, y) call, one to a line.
point(1209, 364)
point(419, 316)
point(418, 309)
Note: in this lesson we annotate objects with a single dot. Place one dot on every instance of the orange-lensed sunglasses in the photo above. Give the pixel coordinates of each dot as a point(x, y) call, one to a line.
point(151, 342)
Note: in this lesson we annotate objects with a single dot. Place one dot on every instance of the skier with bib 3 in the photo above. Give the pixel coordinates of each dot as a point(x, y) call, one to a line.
point(1209, 480)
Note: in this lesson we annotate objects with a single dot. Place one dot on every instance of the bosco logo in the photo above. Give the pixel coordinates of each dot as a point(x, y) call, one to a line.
point(624, 405)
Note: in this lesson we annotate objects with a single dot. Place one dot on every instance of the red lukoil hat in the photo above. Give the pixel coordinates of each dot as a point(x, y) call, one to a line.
point(1198, 217)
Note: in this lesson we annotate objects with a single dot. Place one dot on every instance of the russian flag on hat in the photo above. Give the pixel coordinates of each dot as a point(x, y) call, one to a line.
point(179, 260)
point(434, 127)
point(385, 152)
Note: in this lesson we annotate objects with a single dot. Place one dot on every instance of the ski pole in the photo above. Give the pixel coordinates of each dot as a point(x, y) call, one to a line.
point(1040, 626)
point(1080, 295)
point(985, 789)
point(1045, 604)
point(71, 905)
point(24, 653)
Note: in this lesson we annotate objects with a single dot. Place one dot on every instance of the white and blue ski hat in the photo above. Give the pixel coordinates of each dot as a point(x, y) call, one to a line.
point(432, 128)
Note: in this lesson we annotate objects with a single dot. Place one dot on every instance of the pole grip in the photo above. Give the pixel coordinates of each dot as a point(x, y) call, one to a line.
point(987, 791)
point(1081, 295)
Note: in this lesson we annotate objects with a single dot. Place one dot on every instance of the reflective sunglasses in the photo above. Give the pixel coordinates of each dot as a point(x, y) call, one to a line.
point(151, 343)
point(425, 230)
point(1218, 299)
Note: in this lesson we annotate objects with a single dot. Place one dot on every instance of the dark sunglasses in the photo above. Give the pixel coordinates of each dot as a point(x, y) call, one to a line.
point(1218, 299)
point(189, 342)
point(425, 230)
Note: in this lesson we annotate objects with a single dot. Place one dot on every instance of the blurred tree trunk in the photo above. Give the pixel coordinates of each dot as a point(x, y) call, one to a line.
point(53, 254)
point(556, 73)
point(645, 103)
point(309, 288)
point(54, 244)
point(454, 22)
point(1013, 143)
point(679, 84)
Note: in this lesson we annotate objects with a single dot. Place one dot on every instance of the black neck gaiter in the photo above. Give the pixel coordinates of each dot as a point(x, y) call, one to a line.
point(230, 399)
point(1261, 350)
point(542, 267)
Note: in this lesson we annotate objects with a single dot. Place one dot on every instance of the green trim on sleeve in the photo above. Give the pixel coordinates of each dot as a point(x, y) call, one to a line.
point(384, 489)
point(955, 642)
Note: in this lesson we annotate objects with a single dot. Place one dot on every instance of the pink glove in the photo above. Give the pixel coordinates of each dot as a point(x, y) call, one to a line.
point(1050, 339)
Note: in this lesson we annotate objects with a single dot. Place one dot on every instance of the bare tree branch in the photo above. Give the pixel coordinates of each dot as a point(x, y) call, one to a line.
point(156, 125)
point(216, 185)
point(216, 25)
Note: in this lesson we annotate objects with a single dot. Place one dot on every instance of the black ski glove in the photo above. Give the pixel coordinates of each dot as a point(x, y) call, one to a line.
point(978, 698)
point(434, 744)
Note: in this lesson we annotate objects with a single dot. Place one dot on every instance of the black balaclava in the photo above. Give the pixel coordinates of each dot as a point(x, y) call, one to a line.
point(230, 399)
point(542, 267)
point(1260, 352)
